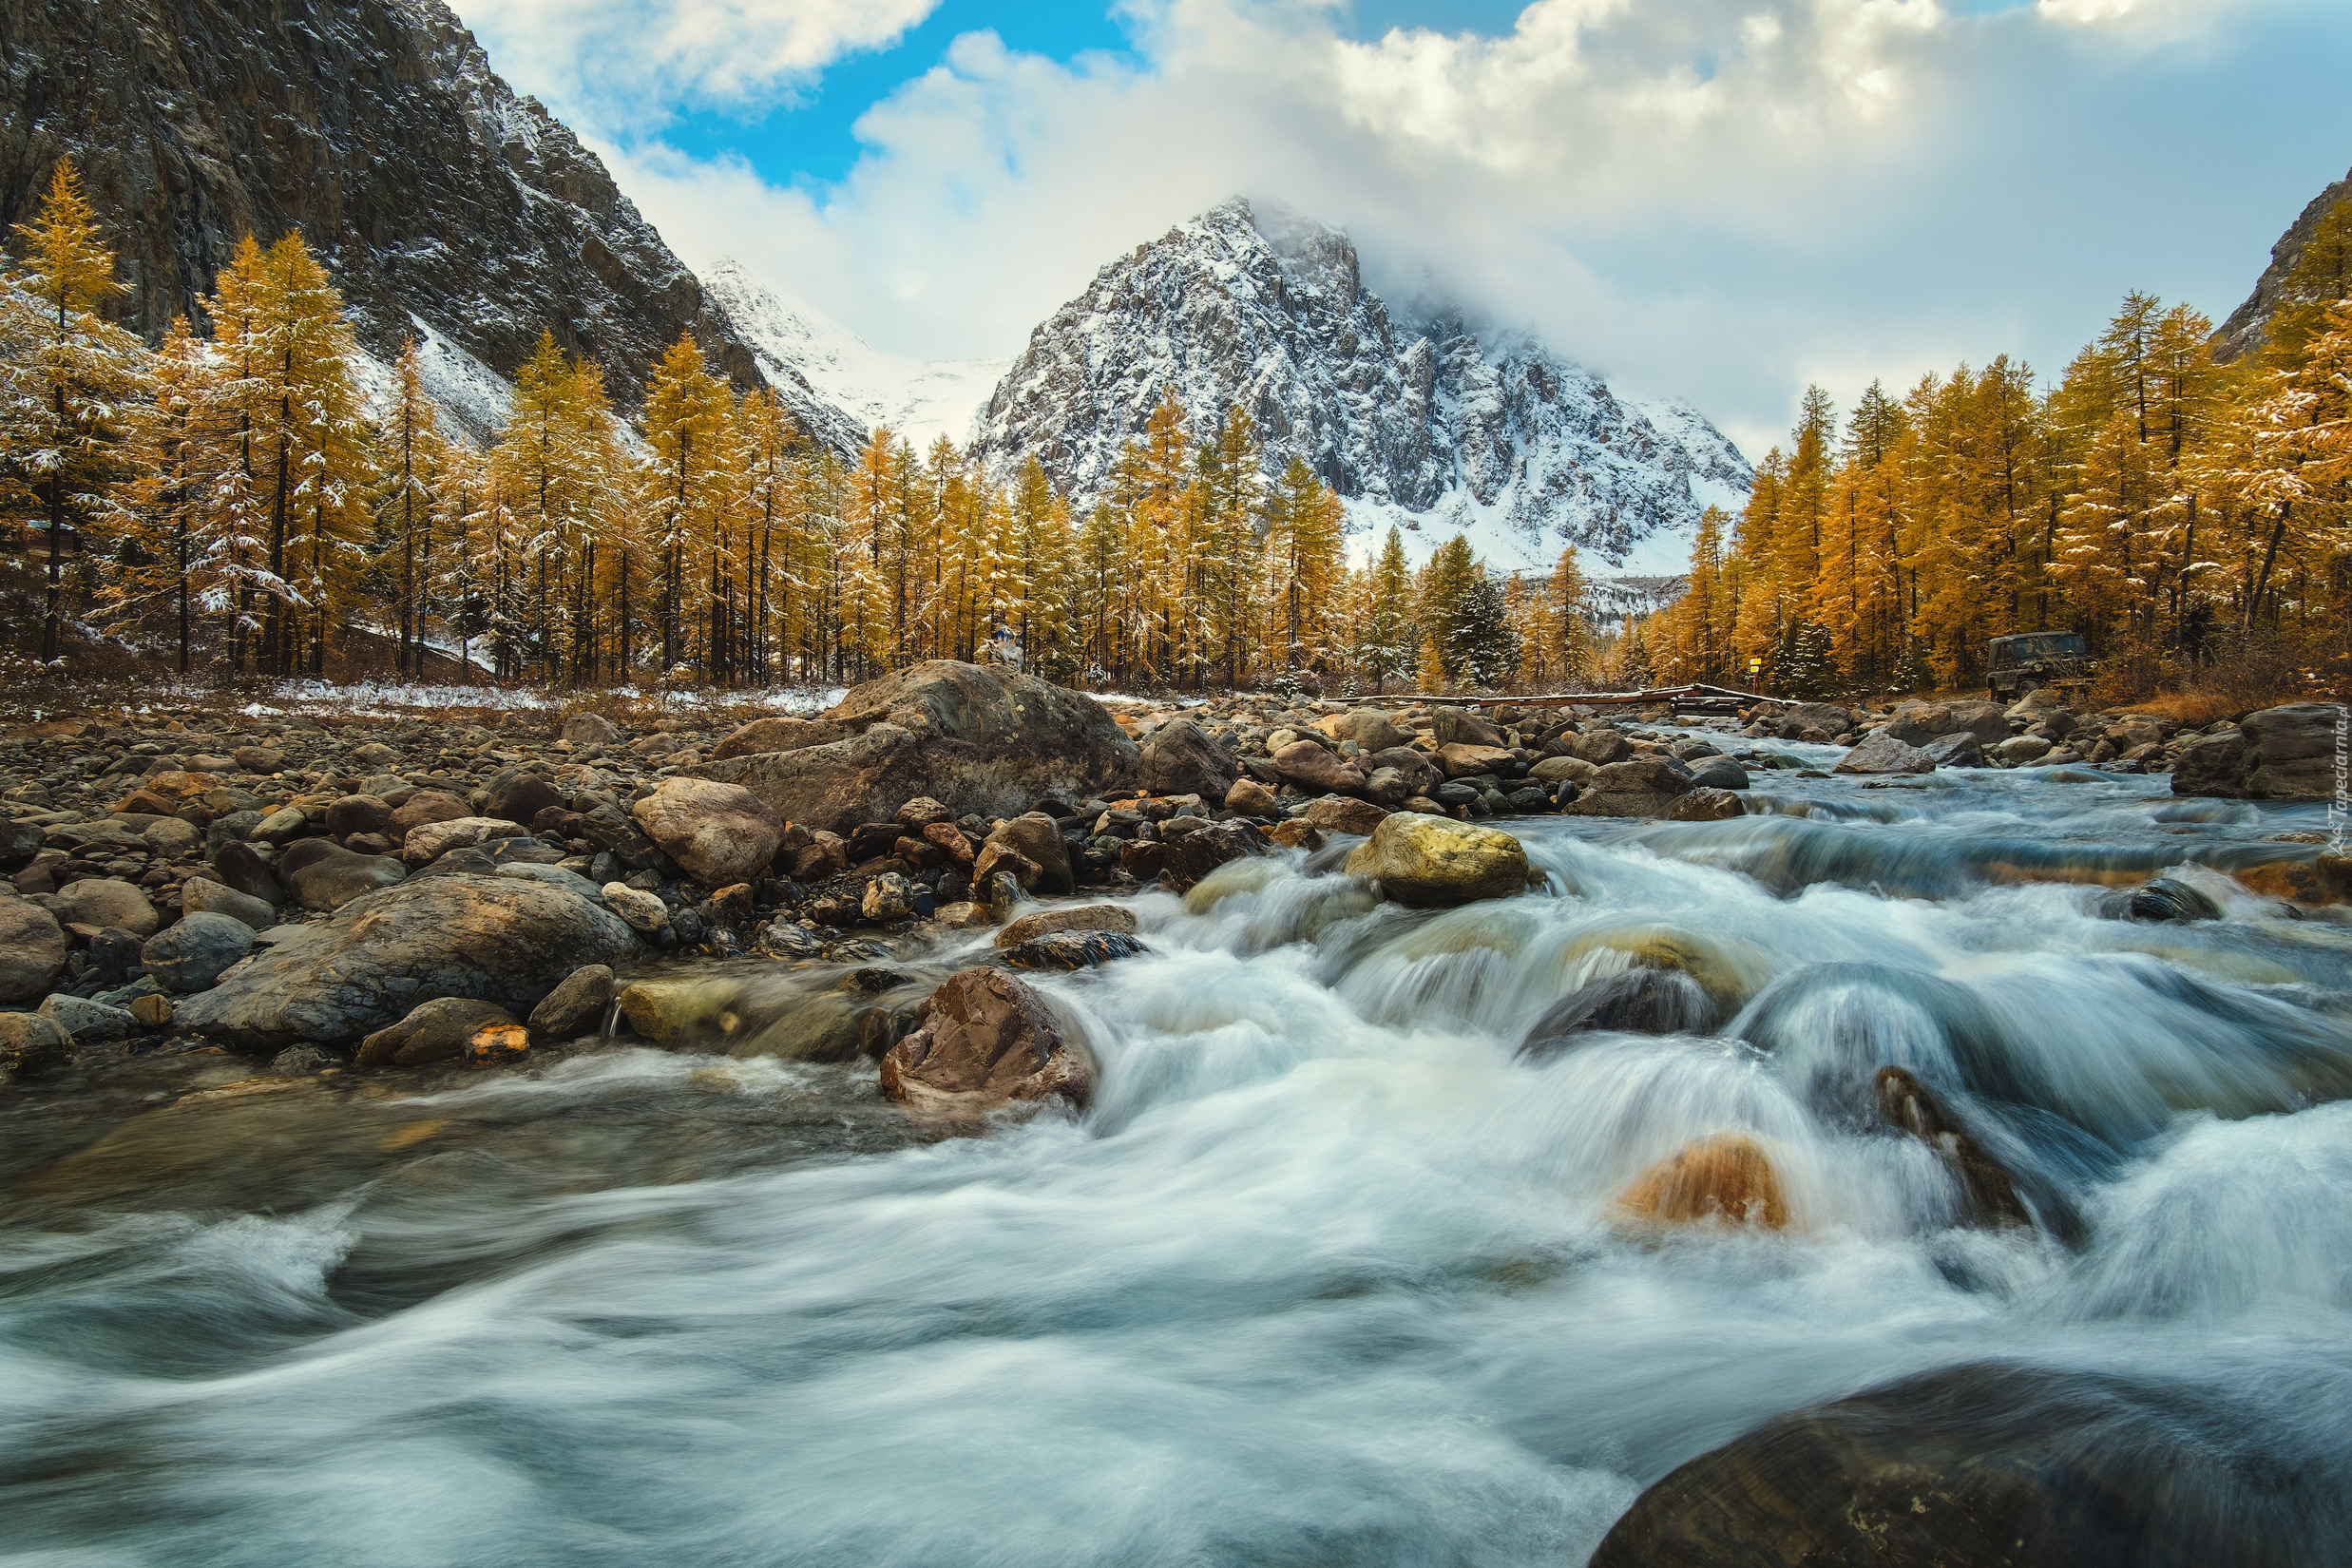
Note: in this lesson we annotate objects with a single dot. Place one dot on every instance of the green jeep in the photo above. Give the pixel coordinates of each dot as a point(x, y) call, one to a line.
point(2033, 660)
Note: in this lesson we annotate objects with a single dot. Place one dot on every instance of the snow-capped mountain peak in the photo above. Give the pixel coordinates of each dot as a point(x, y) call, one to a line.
point(863, 386)
point(1419, 422)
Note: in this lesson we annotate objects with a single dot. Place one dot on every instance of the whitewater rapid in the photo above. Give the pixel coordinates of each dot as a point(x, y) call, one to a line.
point(1327, 1274)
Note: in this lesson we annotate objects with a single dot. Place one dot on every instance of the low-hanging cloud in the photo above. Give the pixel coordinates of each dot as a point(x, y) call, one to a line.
point(1719, 199)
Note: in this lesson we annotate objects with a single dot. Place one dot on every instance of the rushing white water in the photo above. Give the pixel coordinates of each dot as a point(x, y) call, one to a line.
point(1327, 1274)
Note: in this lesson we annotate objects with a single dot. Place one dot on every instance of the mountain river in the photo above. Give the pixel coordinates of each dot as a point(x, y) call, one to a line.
point(1330, 1273)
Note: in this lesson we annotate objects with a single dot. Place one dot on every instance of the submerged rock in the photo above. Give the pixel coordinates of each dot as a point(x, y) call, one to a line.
point(988, 1040)
point(1644, 1000)
point(2015, 1466)
point(29, 1041)
point(1186, 859)
point(1435, 861)
point(432, 1031)
point(1085, 917)
point(1724, 1176)
point(488, 938)
point(1988, 1196)
point(2162, 899)
point(1071, 950)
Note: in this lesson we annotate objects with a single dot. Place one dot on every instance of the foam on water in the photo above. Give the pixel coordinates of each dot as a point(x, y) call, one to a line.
point(1327, 1274)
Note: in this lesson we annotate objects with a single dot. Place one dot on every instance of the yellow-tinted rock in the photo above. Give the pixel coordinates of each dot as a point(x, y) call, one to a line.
point(1435, 861)
point(1722, 1176)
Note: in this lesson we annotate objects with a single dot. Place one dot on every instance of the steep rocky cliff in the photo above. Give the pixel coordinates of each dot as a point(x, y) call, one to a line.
point(2247, 325)
point(1423, 421)
point(445, 204)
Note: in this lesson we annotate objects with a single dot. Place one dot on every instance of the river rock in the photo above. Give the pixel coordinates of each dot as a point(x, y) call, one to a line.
point(432, 1031)
point(988, 1040)
point(1641, 786)
point(321, 876)
point(1435, 861)
point(487, 938)
point(1337, 813)
point(240, 866)
point(1312, 766)
point(1185, 860)
point(1464, 760)
point(1724, 1176)
point(201, 894)
point(1960, 749)
point(1087, 917)
point(1570, 770)
point(29, 1041)
point(981, 740)
point(1181, 758)
point(577, 1004)
point(777, 733)
point(32, 949)
point(19, 843)
point(921, 815)
point(1827, 719)
point(1704, 805)
point(1071, 950)
point(1718, 772)
point(1371, 730)
point(586, 729)
point(1977, 1464)
point(1882, 752)
point(641, 910)
point(888, 898)
point(1031, 847)
point(357, 813)
point(101, 902)
point(170, 837)
point(518, 794)
point(721, 833)
point(190, 954)
point(1251, 798)
point(2022, 750)
point(85, 1019)
point(422, 807)
point(1452, 725)
point(1644, 1002)
point(1988, 1195)
point(429, 841)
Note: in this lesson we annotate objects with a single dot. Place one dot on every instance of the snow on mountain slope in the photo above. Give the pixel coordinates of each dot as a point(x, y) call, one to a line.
point(1420, 423)
point(920, 399)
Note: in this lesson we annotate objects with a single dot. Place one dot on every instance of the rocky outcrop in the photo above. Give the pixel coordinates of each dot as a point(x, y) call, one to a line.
point(2278, 753)
point(2249, 325)
point(980, 739)
point(2020, 1466)
point(986, 1042)
point(486, 938)
point(446, 207)
point(1245, 308)
point(1435, 861)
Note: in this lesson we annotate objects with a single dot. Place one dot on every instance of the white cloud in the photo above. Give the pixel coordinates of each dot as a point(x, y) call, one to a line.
point(1716, 198)
point(622, 65)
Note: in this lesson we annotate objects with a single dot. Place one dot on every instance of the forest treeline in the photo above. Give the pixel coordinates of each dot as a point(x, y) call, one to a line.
point(2171, 509)
point(246, 498)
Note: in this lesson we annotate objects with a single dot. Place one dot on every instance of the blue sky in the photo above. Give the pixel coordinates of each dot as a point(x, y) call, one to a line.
point(1719, 200)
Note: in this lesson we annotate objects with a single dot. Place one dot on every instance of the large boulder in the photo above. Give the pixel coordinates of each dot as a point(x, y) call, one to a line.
point(1087, 917)
point(586, 729)
point(987, 1040)
point(1450, 726)
point(777, 733)
point(1793, 721)
point(1435, 861)
point(190, 954)
point(32, 949)
point(1883, 753)
point(1640, 786)
point(721, 834)
point(1181, 758)
point(2019, 1466)
point(488, 938)
point(981, 740)
point(1371, 730)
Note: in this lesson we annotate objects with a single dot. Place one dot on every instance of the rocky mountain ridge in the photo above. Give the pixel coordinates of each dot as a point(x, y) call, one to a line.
point(446, 205)
point(1427, 422)
point(2247, 326)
